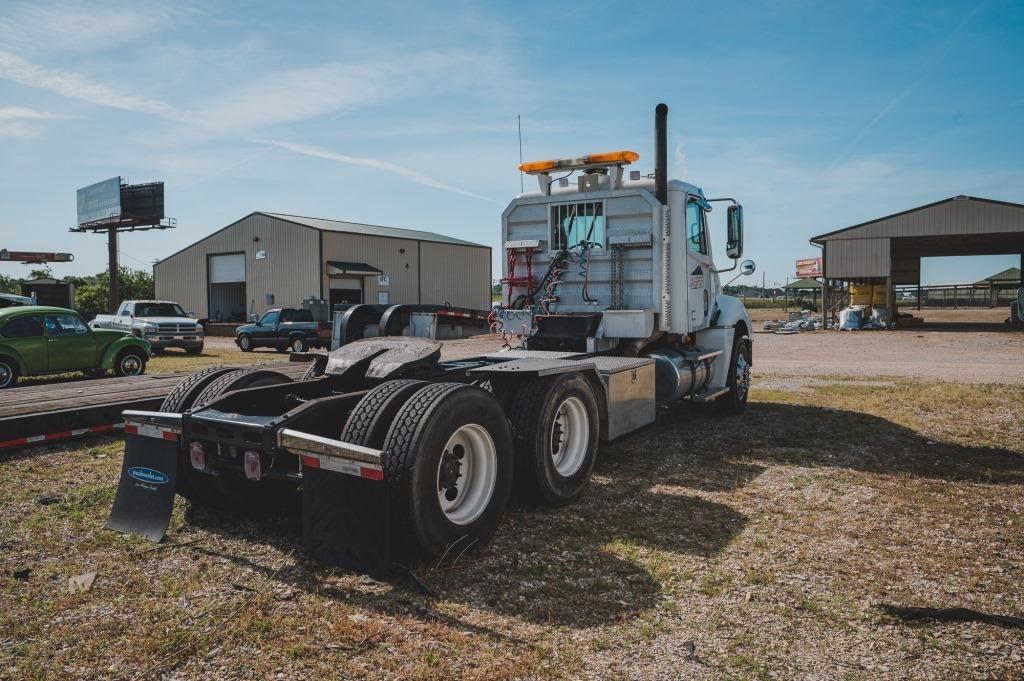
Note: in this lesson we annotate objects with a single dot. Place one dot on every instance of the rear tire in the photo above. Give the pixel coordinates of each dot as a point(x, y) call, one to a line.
point(8, 372)
point(555, 427)
point(228, 491)
point(448, 462)
point(297, 344)
point(130, 362)
point(734, 402)
point(370, 420)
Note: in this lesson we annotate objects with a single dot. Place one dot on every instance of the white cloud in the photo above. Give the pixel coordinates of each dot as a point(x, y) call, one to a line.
point(16, 122)
point(37, 27)
point(76, 86)
point(386, 166)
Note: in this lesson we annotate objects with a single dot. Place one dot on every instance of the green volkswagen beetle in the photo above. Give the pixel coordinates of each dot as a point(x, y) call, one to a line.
point(46, 340)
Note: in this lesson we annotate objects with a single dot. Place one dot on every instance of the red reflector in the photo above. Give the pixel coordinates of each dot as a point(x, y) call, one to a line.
point(253, 465)
point(131, 429)
point(371, 473)
point(197, 455)
point(310, 461)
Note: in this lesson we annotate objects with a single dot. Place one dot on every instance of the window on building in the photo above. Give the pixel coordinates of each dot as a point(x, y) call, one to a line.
point(574, 223)
point(23, 327)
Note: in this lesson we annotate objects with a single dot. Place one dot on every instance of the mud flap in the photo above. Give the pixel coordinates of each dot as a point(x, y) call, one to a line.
point(145, 493)
point(345, 521)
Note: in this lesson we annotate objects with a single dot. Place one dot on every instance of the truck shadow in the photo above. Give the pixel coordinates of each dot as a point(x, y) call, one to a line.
point(731, 452)
point(581, 566)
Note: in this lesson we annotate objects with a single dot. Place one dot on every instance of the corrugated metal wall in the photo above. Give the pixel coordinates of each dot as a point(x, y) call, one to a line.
point(857, 258)
point(418, 271)
point(460, 275)
point(290, 271)
point(397, 258)
point(953, 217)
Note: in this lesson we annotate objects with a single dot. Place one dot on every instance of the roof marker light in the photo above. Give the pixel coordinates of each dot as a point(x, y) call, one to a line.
point(624, 157)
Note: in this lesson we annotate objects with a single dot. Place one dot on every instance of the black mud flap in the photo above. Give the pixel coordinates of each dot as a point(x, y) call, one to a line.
point(345, 521)
point(145, 493)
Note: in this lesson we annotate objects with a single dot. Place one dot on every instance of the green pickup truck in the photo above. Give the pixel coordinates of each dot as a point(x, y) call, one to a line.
point(46, 340)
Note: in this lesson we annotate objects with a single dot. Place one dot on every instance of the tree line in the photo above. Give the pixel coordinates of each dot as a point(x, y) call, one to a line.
point(91, 291)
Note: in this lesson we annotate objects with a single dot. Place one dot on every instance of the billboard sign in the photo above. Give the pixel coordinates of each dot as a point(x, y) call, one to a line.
point(808, 268)
point(100, 202)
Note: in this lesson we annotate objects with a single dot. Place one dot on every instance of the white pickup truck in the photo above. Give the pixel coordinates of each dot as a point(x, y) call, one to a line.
point(163, 323)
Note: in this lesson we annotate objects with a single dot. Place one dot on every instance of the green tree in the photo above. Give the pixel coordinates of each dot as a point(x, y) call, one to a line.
point(91, 292)
point(10, 285)
point(43, 272)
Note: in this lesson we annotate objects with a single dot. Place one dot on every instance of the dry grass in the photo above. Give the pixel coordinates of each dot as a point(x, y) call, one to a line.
point(706, 547)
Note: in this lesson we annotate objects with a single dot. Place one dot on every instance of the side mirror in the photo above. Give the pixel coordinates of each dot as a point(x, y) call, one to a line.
point(747, 267)
point(734, 237)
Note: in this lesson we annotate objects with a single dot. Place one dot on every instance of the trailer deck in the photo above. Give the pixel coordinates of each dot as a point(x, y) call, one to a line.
point(53, 411)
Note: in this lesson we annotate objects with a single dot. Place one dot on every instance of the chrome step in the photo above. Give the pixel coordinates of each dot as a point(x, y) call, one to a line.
point(708, 396)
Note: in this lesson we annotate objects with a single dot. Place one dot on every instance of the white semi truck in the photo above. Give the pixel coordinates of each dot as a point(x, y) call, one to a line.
point(612, 306)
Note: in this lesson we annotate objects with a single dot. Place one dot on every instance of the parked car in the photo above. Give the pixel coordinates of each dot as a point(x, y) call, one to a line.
point(11, 300)
point(47, 340)
point(284, 329)
point(162, 322)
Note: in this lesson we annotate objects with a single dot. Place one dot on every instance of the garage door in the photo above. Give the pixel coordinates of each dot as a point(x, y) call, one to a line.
point(227, 269)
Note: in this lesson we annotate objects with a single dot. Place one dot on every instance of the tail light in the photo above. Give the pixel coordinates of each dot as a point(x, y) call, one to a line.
point(197, 454)
point(253, 465)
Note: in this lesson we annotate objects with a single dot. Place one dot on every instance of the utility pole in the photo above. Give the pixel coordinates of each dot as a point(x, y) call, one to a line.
point(114, 287)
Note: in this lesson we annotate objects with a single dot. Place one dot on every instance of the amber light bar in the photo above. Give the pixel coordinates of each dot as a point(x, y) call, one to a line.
point(607, 158)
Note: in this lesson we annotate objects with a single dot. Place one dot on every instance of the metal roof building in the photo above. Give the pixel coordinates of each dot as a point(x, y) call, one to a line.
point(268, 260)
point(888, 250)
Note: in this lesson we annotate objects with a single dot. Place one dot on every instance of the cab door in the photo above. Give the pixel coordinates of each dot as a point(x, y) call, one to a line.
point(70, 344)
point(24, 335)
point(699, 266)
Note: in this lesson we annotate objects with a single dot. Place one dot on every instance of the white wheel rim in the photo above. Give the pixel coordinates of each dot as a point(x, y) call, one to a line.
point(570, 436)
point(130, 365)
point(244, 342)
point(466, 474)
point(5, 375)
point(297, 345)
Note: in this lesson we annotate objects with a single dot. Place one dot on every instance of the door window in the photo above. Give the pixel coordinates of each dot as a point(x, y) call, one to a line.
point(696, 223)
point(270, 318)
point(22, 327)
point(64, 325)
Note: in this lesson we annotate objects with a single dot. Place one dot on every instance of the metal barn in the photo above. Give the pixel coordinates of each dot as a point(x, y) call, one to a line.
point(888, 250)
point(268, 260)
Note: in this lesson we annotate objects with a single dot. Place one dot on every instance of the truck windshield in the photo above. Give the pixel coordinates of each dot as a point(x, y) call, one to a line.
point(159, 310)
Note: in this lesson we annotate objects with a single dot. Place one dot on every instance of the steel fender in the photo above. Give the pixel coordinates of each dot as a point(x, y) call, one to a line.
point(8, 351)
point(110, 354)
point(731, 311)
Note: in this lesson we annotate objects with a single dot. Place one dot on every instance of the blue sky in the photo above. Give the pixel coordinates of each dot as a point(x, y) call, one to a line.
point(815, 115)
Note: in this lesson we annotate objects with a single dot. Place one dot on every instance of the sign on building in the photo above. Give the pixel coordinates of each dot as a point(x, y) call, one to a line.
point(808, 268)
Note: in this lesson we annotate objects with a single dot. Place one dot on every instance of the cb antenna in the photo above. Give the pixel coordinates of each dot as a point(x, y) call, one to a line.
point(519, 125)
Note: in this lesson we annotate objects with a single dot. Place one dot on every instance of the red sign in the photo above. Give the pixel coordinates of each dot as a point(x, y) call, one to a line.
point(808, 267)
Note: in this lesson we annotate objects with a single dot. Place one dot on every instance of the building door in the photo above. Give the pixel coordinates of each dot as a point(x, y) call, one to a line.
point(346, 290)
point(227, 287)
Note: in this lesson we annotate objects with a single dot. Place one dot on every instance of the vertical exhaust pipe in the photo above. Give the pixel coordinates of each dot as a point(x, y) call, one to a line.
point(661, 153)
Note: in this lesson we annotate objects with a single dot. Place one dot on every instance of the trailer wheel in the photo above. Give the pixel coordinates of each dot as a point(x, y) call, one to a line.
point(369, 422)
point(738, 379)
point(555, 427)
point(448, 461)
point(193, 486)
point(228, 491)
point(312, 372)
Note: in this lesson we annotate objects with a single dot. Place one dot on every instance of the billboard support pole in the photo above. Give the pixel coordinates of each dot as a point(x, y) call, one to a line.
point(114, 281)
